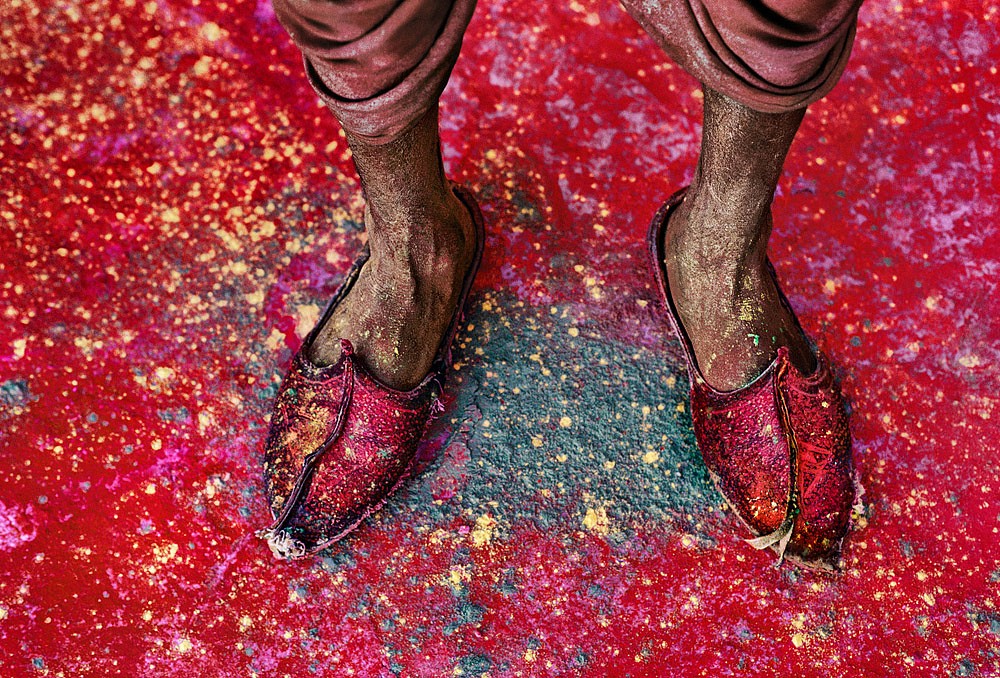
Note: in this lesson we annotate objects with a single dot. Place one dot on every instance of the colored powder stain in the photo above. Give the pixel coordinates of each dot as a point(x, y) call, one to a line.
point(475, 664)
point(156, 278)
point(640, 435)
point(14, 393)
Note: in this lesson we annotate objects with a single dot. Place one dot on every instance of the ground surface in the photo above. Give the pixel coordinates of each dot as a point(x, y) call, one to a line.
point(175, 207)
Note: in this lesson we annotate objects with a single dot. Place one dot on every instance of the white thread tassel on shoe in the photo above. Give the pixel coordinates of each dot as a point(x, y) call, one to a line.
point(781, 537)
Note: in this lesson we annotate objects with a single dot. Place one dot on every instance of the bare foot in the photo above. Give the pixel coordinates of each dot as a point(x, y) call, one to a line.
point(725, 297)
point(405, 296)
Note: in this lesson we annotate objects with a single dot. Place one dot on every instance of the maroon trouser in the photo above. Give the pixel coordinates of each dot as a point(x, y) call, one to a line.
point(381, 64)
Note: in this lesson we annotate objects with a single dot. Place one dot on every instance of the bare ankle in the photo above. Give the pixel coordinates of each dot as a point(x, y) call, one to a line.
point(431, 245)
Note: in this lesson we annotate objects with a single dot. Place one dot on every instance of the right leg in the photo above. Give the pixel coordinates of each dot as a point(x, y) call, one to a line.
point(382, 78)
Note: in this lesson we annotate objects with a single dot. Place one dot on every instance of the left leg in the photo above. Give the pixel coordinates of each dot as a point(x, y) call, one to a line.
point(778, 448)
point(760, 66)
point(716, 246)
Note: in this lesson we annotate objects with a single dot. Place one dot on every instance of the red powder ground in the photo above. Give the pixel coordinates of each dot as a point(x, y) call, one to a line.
point(175, 207)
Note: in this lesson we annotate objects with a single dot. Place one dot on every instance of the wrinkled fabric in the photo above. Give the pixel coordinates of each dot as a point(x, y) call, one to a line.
point(381, 64)
point(773, 56)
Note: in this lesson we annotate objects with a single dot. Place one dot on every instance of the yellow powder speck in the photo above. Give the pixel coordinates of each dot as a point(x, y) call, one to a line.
point(147, 615)
point(238, 268)
point(799, 639)
point(211, 31)
point(183, 645)
point(156, 444)
point(151, 488)
point(83, 343)
point(19, 346)
point(596, 520)
point(573, 332)
point(308, 317)
point(155, 168)
point(651, 457)
point(171, 216)
point(829, 286)
point(609, 465)
point(264, 229)
point(536, 441)
point(929, 599)
point(458, 576)
point(970, 361)
point(165, 553)
point(487, 306)
point(529, 655)
point(565, 422)
point(483, 532)
point(201, 66)
point(274, 340)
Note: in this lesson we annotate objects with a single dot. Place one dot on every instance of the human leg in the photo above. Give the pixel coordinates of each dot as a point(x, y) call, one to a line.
point(769, 418)
point(353, 407)
point(421, 241)
point(760, 65)
point(716, 246)
point(380, 67)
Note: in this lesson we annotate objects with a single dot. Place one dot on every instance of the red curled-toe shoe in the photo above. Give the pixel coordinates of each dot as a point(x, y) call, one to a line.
point(777, 449)
point(340, 441)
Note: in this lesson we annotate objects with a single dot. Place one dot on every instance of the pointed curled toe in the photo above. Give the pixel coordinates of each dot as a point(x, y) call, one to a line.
point(777, 449)
point(340, 441)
